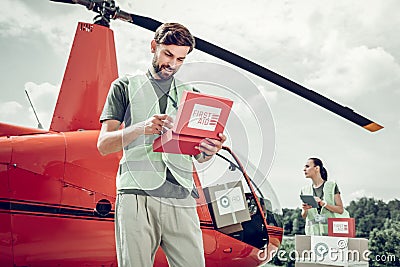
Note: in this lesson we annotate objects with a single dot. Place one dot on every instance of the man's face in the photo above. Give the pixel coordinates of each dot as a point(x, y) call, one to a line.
point(167, 59)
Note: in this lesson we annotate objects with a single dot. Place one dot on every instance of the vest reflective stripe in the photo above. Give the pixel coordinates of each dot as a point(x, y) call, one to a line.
point(147, 169)
point(181, 168)
point(312, 226)
point(142, 165)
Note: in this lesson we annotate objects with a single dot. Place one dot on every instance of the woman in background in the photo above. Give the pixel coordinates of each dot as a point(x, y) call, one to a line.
point(327, 195)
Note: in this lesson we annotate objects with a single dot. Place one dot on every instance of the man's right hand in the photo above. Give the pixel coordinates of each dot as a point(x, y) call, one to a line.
point(155, 124)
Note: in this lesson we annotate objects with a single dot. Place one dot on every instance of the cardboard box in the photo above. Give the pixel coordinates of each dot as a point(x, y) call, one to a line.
point(227, 204)
point(342, 227)
point(327, 251)
point(199, 116)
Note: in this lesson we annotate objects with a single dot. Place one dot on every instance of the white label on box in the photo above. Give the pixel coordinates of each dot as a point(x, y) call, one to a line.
point(204, 117)
point(341, 227)
point(229, 200)
point(330, 250)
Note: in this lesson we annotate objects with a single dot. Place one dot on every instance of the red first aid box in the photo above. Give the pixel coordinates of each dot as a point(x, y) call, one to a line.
point(199, 116)
point(341, 227)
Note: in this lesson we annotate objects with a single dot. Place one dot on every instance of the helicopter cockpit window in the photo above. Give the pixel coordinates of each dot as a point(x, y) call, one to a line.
point(219, 171)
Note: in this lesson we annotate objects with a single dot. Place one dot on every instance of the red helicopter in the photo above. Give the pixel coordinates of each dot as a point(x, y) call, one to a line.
point(57, 193)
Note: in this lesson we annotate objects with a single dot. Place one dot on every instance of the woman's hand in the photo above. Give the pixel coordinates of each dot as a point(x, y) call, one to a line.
point(319, 201)
point(305, 206)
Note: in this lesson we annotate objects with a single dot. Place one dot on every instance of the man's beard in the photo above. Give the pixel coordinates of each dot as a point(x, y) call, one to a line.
point(159, 69)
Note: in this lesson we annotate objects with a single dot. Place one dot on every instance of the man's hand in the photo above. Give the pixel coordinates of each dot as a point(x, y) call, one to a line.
point(210, 147)
point(156, 124)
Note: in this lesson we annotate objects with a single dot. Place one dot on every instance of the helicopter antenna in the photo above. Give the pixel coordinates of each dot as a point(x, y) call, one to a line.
point(40, 126)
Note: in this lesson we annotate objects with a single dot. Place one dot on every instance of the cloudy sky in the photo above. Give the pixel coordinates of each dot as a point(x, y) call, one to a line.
point(345, 50)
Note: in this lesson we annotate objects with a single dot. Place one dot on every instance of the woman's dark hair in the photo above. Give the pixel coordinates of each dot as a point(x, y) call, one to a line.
point(322, 170)
point(174, 33)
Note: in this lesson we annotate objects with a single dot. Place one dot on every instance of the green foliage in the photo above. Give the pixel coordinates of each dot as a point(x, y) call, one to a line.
point(369, 214)
point(376, 220)
point(284, 258)
point(384, 244)
point(394, 209)
point(293, 223)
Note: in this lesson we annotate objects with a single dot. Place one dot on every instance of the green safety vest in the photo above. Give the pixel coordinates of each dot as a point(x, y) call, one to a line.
point(316, 227)
point(140, 167)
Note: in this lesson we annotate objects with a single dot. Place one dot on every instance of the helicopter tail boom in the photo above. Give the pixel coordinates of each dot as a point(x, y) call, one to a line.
point(15, 130)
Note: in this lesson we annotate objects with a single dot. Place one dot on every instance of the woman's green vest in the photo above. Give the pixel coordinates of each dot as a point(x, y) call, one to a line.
point(140, 167)
point(313, 225)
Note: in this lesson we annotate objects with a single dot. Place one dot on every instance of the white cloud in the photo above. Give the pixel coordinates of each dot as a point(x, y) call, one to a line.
point(13, 112)
point(350, 72)
point(9, 109)
point(24, 22)
point(18, 22)
point(42, 92)
point(43, 97)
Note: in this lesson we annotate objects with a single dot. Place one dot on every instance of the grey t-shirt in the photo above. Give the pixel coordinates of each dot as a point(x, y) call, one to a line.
point(319, 192)
point(117, 108)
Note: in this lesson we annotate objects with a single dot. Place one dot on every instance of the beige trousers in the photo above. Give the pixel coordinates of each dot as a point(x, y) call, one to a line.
point(144, 223)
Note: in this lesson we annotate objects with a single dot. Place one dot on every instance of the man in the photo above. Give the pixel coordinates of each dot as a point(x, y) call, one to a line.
point(154, 205)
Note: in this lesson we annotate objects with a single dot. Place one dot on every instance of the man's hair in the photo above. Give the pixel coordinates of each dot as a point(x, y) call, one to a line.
point(174, 33)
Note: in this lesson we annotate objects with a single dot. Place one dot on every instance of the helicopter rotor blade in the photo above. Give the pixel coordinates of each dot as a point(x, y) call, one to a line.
point(64, 1)
point(245, 64)
point(89, 4)
point(269, 75)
